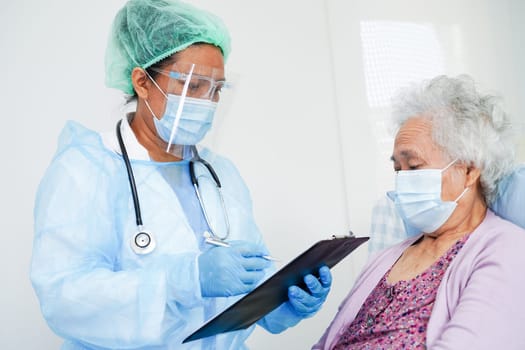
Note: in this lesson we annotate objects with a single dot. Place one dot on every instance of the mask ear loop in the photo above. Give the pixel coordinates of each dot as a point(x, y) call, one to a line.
point(465, 190)
point(155, 83)
point(449, 165)
point(462, 194)
point(181, 104)
point(158, 87)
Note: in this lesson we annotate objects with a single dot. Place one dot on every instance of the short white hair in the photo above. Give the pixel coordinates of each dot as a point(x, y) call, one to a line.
point(467, 125)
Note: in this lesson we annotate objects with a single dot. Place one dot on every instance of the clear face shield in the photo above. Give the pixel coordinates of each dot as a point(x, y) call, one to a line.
point(192, 115)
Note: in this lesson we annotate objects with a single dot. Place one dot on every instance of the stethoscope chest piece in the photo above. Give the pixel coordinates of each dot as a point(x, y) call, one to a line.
point(142, 242)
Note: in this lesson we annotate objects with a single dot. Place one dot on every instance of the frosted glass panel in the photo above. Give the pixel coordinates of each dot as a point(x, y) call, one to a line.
point(395, 54)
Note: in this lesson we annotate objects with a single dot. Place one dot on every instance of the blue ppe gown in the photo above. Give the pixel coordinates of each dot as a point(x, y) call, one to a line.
point(94, 291)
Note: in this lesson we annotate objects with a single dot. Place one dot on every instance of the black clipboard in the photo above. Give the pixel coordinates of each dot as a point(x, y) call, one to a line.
point(274, 291)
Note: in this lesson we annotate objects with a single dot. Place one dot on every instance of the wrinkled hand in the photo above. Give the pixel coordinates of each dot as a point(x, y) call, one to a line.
point(306, 304)
point(228, 271)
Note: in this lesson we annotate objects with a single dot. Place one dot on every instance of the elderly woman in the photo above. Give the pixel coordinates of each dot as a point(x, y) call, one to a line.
point(141, 264)
point(458, 282)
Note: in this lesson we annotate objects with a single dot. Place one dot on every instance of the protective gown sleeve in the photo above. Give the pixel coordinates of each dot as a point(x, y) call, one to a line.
point(280, 319)
point(83, 293)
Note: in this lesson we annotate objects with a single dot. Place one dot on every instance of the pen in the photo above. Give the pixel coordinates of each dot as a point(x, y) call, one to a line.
point(270, 258)
point(220, 243)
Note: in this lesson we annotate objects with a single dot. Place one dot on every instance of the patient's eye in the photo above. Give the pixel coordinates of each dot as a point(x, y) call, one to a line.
point(414, 166)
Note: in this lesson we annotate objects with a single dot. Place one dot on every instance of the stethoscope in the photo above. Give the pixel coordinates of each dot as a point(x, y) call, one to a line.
point(143, 242)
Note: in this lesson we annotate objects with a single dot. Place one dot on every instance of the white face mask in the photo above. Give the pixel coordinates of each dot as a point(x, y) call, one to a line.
point(418, 199)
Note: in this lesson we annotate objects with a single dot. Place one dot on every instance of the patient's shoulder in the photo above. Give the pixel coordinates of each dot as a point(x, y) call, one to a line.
point(498, 237)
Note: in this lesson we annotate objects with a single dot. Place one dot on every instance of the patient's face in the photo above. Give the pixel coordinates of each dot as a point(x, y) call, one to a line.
point(414, 149)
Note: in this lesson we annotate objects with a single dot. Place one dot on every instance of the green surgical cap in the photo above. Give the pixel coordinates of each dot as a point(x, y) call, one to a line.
point(145, 32)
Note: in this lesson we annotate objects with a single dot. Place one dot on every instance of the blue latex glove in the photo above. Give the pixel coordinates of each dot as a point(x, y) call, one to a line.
point(307, 304)
point(227, 271)
point(301, 304)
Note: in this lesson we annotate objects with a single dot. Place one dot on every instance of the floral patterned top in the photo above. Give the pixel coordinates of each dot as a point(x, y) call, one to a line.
point(396, 316)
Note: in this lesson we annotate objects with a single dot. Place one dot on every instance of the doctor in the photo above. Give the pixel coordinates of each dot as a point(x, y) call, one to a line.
point(141, 235)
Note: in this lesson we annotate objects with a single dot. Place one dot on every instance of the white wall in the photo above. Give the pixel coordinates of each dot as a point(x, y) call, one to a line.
point(51, 58)
point(302, 130)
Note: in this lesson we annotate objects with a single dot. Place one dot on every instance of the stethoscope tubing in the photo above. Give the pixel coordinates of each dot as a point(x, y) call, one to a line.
point(131, 177)
point(194, 180)
point(197, 158)
point(148, 247)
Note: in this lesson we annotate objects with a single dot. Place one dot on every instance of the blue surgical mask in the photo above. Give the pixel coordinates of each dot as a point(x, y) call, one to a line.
point(194, 122)
point(418, 199)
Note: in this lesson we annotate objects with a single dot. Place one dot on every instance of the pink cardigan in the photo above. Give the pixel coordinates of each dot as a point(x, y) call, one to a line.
point(480, 303)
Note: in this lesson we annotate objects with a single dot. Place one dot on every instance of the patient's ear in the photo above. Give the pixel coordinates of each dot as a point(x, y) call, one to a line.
point(473, 174)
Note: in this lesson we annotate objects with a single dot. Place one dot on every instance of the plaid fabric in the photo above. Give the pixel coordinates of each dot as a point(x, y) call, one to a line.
point(387, 227)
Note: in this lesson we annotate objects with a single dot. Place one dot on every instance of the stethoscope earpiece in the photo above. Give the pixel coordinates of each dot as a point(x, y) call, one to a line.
point(142, 243)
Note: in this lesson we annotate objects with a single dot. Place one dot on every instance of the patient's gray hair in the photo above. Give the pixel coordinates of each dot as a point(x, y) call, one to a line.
point(467, 125)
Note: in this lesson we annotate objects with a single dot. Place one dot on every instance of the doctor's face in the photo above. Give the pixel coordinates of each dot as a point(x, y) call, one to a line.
point(209, 64)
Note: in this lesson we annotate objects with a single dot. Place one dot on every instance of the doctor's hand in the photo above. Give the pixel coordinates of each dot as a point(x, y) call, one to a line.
point(307, 303)
point(227, 271)
point(301, 303)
